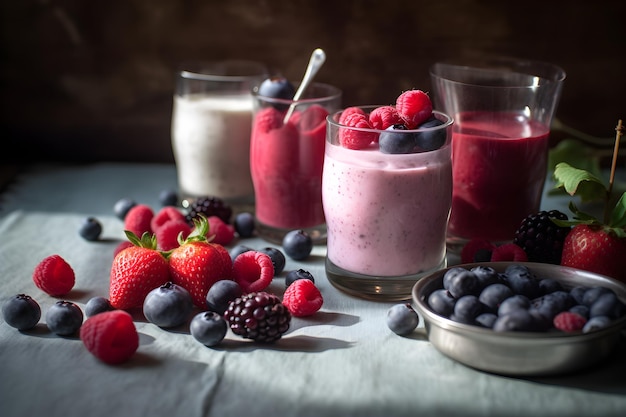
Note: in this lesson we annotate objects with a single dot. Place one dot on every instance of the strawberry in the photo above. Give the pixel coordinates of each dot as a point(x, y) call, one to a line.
point(594, 245)
point(136, 271)
point(197, 264)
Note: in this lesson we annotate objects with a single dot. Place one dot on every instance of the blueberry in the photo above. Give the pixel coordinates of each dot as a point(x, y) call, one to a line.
point(168, 197)
point(297, 274)
point(493, 295)
point(578, 293)
point(580, 309)
point(441, 302)
point(221, 294)
point(486, 319)
point(466, 309)
point(402, 319)
point(277, 87)
point(244, 224)
point(168, 305)
point(21, 312)
point(486, 275)
point(596, 323)
point(515, 320)
point(394, 141)
point(297, 244)
point(549, 305)
point(522, 281)
point(447, 277)
point(277, 257)
point(515, 302)
point(238, 250)
point(607, 305)
point(123, 206)
point(97, 305)
point(90, 229)
point(431, 139)
point(464, 283)
point(64, 318)
point(592, 294)
point(208, 328)
point(548, 285)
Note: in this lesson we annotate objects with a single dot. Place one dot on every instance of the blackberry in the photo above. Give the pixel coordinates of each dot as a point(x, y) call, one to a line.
point(259, 316)
point(209, 206)
point(541, 238)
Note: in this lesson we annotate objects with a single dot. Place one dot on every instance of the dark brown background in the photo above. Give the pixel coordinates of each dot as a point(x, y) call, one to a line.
point(92, 80)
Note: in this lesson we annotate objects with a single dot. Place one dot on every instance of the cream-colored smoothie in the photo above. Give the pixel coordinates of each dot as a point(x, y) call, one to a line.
point(211, 145)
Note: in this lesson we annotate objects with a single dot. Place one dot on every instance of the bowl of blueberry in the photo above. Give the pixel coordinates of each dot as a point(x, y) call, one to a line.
point(522, 319)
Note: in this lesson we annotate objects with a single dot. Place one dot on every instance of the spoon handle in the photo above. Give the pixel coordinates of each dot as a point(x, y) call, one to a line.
point(318, 57)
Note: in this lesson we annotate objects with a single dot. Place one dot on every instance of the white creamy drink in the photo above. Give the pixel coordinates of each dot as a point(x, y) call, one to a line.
point(211, 145)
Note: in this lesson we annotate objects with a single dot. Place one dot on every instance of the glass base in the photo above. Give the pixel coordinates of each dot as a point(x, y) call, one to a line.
point(393, 288)
point(455, 244)
point(276, 234)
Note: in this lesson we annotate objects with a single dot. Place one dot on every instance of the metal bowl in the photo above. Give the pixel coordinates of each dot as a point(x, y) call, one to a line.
point(520, 353)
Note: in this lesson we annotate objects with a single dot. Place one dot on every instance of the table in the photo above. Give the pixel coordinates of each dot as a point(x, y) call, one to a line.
point(343, 361)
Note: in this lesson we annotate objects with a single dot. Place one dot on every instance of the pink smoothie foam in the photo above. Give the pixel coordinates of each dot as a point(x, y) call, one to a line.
point(286, 161)
point(386, 214)
point(499, 168)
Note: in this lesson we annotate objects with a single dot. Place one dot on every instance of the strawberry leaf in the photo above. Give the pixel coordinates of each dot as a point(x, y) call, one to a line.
point(579, 182)
point(576, 154)
point(618, 216)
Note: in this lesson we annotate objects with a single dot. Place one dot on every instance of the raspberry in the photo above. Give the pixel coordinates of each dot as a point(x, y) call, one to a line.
point(356, 139)
point(209, 206)
point(110, 336)
point(477, 250)
point(312, 118)
point(167, 234)
point(253, 271)
point(54, 276)
point(383, 117)
point(222, 233)
point(569, 322)
point(138, 219)
point(347, 112)
point(164, 215)
point(509, 252)
point(259, 316)
point(268, 119)
point(541, 238)
point(302, 298)
point(415, 107)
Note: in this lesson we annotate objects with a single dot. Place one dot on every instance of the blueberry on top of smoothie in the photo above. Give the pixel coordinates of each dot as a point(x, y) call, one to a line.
point(431, 140)
point(395, 140)
point(277, 87)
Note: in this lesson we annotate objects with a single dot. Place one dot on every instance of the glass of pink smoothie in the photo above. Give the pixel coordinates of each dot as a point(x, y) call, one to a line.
point(502, 110)
point(386, 214)
point(286, 160)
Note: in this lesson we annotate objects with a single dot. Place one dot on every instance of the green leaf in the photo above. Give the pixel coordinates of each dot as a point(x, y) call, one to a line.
point(618, 215)
point(576, 154)
point(579, 182)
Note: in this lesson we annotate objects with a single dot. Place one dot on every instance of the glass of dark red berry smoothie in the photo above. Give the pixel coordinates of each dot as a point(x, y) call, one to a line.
point(502, 109)
point(287, 155)
point(387, 191)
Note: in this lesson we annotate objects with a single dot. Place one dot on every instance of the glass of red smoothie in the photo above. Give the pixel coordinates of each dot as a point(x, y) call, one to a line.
point(502, 110)
point(386, 213)
point(286, 159)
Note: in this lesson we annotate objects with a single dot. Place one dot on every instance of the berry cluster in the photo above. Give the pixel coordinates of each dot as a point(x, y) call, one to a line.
point(392, 127)
point(517, 300)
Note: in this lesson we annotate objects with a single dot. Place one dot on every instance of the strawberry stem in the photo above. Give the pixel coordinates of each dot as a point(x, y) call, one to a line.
point(619, 130)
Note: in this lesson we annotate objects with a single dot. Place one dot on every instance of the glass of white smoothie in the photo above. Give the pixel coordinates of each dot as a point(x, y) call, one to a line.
point(211, 125)
point(386, 204)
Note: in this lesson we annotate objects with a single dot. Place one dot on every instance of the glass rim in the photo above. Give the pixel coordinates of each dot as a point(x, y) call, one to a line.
point(333, 94)
point(201, 70)
point(544, 71)
point(447, 122)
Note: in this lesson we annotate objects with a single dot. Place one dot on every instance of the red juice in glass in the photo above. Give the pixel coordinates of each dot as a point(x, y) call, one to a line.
point(499, 167)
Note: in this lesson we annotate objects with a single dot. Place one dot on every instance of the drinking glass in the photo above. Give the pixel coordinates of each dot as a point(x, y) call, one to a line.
point(211, 125)
point(386, 214)
point(286, 159)
point(502, 110)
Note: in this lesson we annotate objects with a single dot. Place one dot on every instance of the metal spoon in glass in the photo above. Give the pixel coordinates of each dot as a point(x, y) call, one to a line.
point(318, 57)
